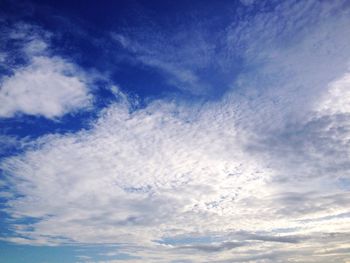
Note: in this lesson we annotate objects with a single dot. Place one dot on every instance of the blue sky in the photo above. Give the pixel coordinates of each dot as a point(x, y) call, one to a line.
point(175, 131)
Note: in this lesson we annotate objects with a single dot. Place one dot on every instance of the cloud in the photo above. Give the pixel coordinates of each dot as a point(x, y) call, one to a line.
point(336, 101)
point(49, 87)
point(145, 162)
point(45, 85)
point(165, 170)
point(213, 247)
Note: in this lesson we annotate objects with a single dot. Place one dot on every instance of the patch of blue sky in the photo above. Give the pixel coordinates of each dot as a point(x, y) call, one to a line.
point(11, 253)
point(4, 217)
point(14, 253)
point(86, 39)
point(8, 222)
point(83, 47)
point(344, 184)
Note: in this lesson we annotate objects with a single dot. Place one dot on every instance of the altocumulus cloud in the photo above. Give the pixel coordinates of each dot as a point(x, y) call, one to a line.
point(260, 175)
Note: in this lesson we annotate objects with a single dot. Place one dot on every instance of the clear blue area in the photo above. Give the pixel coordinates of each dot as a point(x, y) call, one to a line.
point(13, 253)
point(37, 254)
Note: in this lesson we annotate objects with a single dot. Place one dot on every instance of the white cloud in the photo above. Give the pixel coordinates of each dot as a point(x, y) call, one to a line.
point(35, 47)
point(337, 99)
point(45, 85)
point(49, 86)
point(143, 160)
point(168, 171)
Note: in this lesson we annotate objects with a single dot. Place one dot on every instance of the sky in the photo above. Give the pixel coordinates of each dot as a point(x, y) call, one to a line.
point(175, 131)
